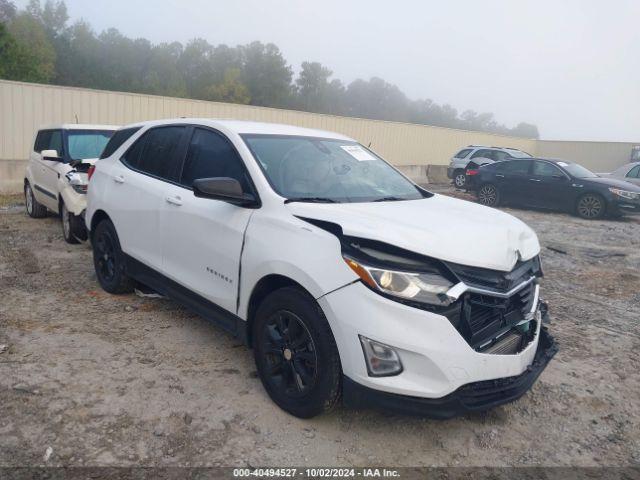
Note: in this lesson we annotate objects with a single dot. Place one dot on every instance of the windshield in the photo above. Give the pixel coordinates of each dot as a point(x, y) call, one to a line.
point(319, 169)
point(577, 171)
point(519, 154)
point(82, 144)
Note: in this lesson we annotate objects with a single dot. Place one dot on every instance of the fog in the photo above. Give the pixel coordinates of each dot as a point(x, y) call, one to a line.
point(571, 67)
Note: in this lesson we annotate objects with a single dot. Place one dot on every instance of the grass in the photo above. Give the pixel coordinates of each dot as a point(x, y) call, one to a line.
point(7, 200)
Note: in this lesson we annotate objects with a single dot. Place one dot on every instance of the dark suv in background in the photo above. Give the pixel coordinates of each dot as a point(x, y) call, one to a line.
point(557, 185)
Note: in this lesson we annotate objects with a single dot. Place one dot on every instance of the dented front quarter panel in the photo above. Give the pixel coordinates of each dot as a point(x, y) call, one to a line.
point(75, 202)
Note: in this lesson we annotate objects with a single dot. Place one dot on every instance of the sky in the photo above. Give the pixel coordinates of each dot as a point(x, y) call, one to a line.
point(572, 67)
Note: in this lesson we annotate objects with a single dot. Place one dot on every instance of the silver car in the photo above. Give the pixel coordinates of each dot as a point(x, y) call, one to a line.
point(480, 155)
point(629, 172)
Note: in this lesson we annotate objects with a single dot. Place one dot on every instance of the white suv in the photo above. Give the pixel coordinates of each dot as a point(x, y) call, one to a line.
point(480, 155)
point(343, 276)
point(56, 176)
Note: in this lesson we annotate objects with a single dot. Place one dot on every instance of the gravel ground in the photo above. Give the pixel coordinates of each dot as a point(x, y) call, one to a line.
point(124, 380)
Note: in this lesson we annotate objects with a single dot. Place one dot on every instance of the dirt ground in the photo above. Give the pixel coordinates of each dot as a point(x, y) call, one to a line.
point(124, 380)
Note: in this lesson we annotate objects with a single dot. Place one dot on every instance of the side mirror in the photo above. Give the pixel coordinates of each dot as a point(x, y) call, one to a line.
point(51, 156)
point(558, 177)
point(224, 188)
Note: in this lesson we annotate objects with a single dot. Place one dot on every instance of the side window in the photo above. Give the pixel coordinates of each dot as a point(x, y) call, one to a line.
point(41, 139)
point(517, 167)
point(545, 169)
point(634, 172)
point(211, 155)
point(155, 152)
point(463, 153)
point(482, 153)
point(49, 140)
point(132, 156)
point(55, 142)
point(499, 155)
point(118, 139)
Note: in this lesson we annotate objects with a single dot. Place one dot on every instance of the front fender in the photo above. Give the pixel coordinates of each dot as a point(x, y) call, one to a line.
point(75, 202)
point(294, 249)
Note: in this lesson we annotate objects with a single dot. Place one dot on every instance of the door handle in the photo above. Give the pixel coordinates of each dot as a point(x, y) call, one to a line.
point(118, 179)
point(499, 175)
point(534, 180)
point(174, 200)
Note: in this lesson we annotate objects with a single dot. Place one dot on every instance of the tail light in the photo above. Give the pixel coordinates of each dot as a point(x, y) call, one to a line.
point(473, 172)
point(92, 169)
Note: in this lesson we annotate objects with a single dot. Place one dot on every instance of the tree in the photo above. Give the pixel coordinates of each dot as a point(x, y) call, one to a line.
point(162, 76)
point(526, 130)
point(312, 86)
point(376, 99)
point(37, 45)
point(7, 11)
point(266, 74)
point(195, 65)
point(231, 89)
point(32, 52)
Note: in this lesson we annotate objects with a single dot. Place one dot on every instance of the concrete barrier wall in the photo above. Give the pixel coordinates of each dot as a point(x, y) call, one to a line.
point(24, 107)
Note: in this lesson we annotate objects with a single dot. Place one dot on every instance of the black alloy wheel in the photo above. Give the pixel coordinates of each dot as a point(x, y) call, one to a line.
point(105, 255)
point(292, 363)
point(296, 355)
point(108, 260)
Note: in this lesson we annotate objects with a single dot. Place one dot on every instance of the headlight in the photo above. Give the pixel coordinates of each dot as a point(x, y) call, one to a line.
point(422, 287)
point(625, 193)
point(76, 182)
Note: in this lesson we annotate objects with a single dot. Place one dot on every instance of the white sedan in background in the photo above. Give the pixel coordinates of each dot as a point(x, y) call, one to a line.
point(629, 173)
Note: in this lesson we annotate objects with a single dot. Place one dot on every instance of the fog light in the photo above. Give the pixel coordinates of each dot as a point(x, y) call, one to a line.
point(381, 359)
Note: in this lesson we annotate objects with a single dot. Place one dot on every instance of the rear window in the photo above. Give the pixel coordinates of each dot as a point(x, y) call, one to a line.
point(463, 153)
point(519, 154)
point(118, 139)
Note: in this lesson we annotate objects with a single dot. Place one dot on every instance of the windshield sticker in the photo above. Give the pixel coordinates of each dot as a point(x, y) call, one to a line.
point(562, 164)
point(357, 152)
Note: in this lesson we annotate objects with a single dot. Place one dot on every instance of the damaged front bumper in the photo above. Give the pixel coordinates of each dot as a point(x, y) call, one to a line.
point(472, 397)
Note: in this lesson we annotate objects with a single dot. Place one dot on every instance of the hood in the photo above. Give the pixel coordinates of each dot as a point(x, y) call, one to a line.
point(441, 227)
point(610, 182)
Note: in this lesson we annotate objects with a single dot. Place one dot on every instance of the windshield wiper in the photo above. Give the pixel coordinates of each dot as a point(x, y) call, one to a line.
point(310, 200)
point(388, 199)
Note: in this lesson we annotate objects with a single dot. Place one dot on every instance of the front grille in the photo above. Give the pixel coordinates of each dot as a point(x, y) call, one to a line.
point(495, 279)
point(486, 316)
point(483, 319)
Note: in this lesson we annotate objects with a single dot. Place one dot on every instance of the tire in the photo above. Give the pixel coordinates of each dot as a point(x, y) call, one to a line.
point(109, 261)
point(459, 179)
point(34, 208)
point(69, 225)
point(591, 206)
point(489, 195)
point(295, 353)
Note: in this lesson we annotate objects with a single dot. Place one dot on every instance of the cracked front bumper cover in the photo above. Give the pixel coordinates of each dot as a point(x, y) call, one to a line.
point(472, 397)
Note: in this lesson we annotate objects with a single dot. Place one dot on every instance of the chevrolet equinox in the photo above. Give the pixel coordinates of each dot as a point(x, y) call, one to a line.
point(345, 278)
